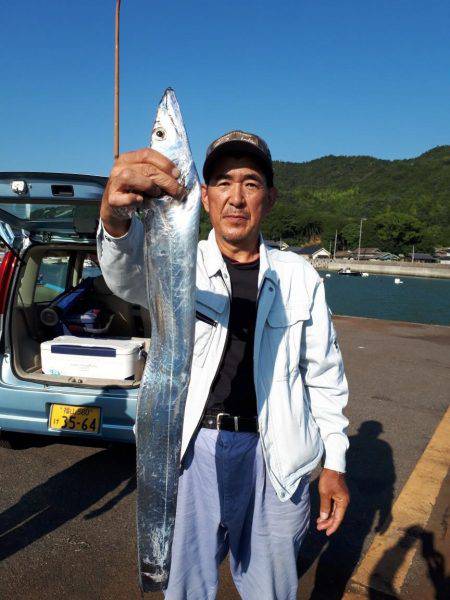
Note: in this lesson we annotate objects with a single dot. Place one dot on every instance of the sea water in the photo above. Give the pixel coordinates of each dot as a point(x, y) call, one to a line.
point(417, 299)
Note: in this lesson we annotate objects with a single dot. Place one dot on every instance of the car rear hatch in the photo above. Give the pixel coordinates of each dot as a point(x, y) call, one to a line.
point(46, 207)
point(48, 222)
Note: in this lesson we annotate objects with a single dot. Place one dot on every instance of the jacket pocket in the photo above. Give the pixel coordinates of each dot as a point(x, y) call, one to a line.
point(209, 307)
point(204, 327)
point(292, 428)
point(282, 339)
point(201, 317)
point(281, 316)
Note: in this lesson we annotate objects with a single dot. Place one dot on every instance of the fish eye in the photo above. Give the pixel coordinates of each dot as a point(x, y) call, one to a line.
point(160, 133)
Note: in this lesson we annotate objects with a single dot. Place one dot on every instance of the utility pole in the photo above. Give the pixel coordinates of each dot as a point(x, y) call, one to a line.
point(335, 242)
point(413, 254)
point(116, 82)
point(360, 234)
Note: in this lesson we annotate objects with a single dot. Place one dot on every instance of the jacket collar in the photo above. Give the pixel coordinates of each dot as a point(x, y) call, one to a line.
point(214, 261)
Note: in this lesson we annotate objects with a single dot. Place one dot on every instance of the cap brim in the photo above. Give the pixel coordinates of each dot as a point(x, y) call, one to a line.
point(237, 146)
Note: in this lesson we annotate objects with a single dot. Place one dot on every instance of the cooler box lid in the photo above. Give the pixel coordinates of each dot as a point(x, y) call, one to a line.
point(70, 344)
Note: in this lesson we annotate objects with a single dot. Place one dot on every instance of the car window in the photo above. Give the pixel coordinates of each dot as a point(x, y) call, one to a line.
point(52, 277)
point(90, 267)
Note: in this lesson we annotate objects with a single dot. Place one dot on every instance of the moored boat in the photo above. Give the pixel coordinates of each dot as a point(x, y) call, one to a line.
point(347, 271)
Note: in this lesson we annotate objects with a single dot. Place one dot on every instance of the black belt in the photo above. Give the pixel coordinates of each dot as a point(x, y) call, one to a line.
point(230, 423)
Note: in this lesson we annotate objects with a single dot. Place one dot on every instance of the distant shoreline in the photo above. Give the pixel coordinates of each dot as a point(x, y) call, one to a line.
point(400, 268)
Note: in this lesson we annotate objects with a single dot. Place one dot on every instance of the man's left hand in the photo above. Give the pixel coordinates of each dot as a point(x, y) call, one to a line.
point(334, 499)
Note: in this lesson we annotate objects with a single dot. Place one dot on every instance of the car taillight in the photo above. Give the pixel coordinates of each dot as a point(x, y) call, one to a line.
point(6, 272)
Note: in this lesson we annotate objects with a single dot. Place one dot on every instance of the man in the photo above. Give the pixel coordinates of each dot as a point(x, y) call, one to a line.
point(267, 384)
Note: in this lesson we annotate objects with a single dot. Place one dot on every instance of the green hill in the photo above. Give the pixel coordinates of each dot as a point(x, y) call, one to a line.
point(405, 202)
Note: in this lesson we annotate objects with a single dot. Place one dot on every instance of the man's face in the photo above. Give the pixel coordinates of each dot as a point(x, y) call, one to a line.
point(237, 198)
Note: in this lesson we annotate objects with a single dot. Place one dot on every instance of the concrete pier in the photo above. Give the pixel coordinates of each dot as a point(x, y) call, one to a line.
point(68, 506)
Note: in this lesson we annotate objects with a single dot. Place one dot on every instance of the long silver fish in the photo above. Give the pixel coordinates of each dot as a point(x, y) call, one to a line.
point(170, 251)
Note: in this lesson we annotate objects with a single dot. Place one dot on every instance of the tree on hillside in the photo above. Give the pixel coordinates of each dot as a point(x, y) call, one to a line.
point(369, 237)
point(430, 237)
point(310, 229)
point(350, 234)
point(205, 225)
point(281, 223)
point(397, 231)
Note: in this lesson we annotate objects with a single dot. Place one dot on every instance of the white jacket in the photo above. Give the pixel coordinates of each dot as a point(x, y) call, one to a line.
point(299, 377)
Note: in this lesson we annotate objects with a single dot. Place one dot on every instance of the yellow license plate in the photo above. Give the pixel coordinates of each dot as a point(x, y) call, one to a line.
point(75, 418)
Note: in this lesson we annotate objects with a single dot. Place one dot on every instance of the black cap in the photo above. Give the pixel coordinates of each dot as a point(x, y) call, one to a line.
point(239, 141)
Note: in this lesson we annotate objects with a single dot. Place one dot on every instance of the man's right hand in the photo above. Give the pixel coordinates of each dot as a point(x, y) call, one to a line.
point(136, 175)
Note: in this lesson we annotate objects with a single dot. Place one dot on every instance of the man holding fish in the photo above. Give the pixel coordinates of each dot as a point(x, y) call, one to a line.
point(267, 386)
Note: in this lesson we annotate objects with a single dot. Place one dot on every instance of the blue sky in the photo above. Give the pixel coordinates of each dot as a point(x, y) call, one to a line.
point(312, 77)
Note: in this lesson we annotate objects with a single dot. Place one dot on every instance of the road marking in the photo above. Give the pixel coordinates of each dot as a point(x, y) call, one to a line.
point(412, 507)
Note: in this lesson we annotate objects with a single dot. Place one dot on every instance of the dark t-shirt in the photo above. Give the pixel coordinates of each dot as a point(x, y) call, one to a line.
point(233, 390)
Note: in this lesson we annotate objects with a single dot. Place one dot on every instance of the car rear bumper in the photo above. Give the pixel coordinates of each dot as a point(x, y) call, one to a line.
point(35, 426)
point(28, 411)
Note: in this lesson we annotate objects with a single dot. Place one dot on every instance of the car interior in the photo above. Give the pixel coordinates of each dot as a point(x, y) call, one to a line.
point(47, 272)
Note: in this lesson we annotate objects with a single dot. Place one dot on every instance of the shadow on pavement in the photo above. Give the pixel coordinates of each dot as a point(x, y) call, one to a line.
point(24, 441)
point(66, 495)
point(370, 478)
point(384, 573)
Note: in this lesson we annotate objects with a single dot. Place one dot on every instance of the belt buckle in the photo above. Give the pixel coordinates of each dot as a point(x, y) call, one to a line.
point(218, 419)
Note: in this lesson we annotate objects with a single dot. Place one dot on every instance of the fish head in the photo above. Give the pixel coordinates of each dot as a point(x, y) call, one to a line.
point(170, 139)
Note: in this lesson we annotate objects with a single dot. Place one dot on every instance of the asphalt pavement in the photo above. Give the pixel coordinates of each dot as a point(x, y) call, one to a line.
point(67, 509)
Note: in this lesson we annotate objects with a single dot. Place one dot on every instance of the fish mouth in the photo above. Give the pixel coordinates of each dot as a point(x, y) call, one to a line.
point(169, 104)
point(169, 98)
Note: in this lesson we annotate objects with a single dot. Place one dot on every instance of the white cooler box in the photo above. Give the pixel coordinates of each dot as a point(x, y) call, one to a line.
point(88, 357)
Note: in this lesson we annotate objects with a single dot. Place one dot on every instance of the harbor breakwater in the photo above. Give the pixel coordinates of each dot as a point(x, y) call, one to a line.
point(393, 268)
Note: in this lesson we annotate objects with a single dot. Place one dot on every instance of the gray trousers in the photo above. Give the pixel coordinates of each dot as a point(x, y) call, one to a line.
point(226, 503)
